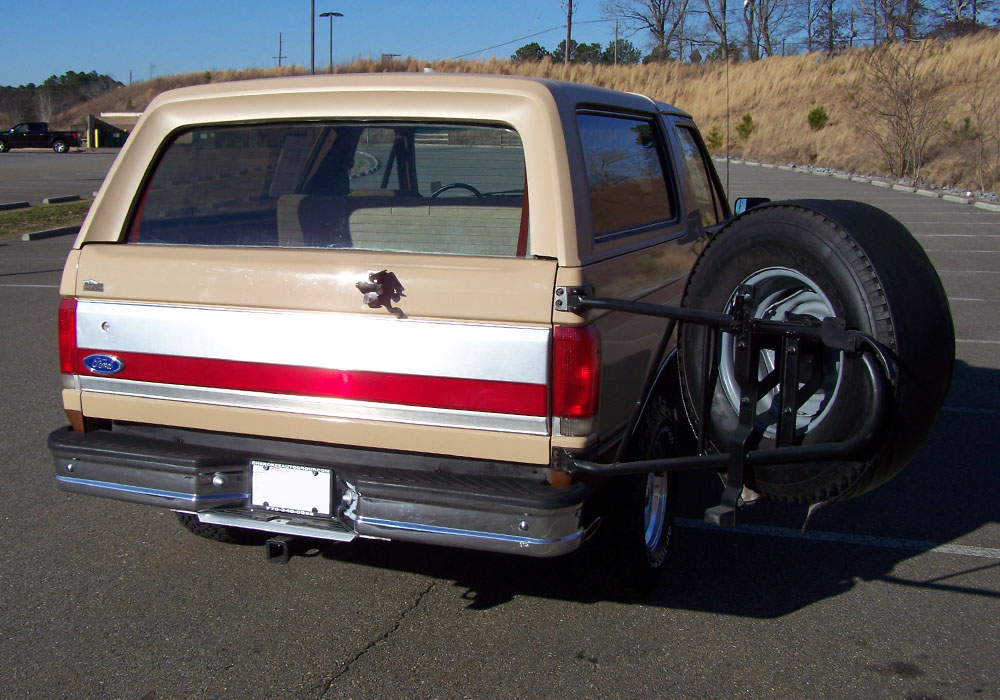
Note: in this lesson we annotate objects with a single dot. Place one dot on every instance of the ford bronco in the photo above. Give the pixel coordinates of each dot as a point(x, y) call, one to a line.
point(488, 312)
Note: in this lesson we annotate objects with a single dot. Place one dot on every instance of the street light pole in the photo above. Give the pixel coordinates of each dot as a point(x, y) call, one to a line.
point(331, 15)
point(312, 37)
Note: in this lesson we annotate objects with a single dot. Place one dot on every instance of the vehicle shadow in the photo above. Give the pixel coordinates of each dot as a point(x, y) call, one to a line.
point(948, 491)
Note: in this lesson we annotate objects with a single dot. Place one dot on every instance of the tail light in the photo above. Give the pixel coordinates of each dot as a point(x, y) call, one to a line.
point(67, 336)
point(576, 364)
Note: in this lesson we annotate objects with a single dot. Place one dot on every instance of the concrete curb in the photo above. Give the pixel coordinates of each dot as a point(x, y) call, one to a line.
point(956, 199)
point(861, 179)
point(61, 200)
point(14, 205)
point(51, 233)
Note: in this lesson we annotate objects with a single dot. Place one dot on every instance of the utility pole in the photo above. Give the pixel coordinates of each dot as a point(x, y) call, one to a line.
point(569, 29)
point(312, 37)
point(279, 56)
point(616, 42)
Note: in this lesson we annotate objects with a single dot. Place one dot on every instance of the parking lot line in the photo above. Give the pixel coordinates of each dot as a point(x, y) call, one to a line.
point(844, 538)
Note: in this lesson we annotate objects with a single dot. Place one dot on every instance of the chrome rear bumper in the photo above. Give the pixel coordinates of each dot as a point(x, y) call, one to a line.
point(439, 501)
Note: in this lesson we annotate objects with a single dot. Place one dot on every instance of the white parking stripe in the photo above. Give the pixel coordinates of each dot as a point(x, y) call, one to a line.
point(973, 411)
point(843, 538)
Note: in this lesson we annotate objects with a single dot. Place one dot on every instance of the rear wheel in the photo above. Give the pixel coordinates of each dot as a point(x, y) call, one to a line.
point(632, 520)
point(816, 259)
point(59, 146)
point(220, 533)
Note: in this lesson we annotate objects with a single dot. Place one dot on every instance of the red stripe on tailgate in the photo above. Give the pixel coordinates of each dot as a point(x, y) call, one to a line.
point(413, 390)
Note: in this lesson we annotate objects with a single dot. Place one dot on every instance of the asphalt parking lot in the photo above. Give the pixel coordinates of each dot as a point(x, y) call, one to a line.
point(32, 175)
point(892, 595)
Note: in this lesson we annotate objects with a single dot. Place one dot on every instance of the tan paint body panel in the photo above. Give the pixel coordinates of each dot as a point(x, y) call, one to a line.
point(319, 280)
point(479, 444)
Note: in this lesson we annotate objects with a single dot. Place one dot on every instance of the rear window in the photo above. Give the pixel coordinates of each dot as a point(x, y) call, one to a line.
point(413, 187)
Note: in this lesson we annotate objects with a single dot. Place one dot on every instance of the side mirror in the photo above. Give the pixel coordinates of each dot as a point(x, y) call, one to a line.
point(744, 203)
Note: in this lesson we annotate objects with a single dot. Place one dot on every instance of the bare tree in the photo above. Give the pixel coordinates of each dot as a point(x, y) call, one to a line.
point(663, 19)
point(715, 14)
point(897, 19)
point(898, 105)
point(832, 26)
point(43, 100)
point(811, 10)
point(956, 17)
point(766, 24)
point(984, 103)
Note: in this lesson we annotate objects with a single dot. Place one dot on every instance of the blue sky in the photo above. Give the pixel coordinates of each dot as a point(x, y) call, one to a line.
point(50, 37)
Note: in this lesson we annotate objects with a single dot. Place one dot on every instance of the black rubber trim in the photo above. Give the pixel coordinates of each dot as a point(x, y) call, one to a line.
point(162, 455)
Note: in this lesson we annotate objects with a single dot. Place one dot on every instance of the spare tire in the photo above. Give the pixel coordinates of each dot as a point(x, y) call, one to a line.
point(823, 258)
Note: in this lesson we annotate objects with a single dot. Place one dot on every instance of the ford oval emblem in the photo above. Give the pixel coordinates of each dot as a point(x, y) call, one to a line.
point(103, 364)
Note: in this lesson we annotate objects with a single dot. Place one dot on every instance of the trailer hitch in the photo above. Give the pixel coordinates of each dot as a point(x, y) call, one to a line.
point(751, 335)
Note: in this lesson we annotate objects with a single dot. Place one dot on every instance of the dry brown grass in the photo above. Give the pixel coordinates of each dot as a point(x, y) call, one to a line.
point(777, 92)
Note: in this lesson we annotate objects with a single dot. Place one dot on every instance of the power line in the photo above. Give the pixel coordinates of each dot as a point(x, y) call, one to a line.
point(528, 36)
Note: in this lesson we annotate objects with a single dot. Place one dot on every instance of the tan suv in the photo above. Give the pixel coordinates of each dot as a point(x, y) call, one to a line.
point(442, 308)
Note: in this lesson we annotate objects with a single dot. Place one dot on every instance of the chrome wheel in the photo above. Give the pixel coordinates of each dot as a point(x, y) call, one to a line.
point(656, 517)
point(783, 293)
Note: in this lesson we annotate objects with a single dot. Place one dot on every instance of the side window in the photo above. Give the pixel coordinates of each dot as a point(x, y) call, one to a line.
point(629, 193)
point(697, 167)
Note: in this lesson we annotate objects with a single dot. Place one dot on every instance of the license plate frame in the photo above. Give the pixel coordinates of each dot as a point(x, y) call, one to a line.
point(291, 488)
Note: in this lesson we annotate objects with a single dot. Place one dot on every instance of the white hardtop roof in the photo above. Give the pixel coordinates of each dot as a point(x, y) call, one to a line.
point(576, 93)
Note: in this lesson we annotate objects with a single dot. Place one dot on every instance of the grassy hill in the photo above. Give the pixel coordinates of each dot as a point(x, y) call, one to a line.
point(954, 85)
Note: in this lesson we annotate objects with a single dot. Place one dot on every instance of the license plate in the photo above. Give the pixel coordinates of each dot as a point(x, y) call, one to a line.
point(291, 489)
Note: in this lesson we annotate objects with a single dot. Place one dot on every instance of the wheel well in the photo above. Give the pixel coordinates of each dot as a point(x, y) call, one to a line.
point(668, 386)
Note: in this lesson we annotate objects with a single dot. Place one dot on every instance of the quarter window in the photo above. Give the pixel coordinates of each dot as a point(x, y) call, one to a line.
point(701, 182)
point(628, 189)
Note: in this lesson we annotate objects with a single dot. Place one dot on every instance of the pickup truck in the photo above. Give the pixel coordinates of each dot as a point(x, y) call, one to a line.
point(485, 312)
point(38, 135)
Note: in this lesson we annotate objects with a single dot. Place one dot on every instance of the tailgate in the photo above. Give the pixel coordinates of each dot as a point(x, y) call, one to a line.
point(236, 299)
point(286, 349)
